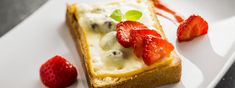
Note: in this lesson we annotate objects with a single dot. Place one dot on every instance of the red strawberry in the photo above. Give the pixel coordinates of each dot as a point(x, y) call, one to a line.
point(192, 27)
point(137, 38)
point(155, 48)
point(123, 31)
point(58, 73)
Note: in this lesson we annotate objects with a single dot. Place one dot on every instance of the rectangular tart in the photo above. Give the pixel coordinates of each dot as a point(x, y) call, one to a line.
point(94, 36)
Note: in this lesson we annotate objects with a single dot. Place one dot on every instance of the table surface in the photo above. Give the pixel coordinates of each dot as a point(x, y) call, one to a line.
point(12, 12)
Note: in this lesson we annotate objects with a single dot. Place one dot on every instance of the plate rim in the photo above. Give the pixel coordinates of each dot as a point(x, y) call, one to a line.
point(211, 84)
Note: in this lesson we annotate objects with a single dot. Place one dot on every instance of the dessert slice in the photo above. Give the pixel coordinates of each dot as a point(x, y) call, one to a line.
point(108, 58)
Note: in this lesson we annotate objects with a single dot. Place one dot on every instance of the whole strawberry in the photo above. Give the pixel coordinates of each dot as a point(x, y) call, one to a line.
point(58, 73)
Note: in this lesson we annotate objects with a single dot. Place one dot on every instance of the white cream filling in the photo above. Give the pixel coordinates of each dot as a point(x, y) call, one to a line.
point(102, 43)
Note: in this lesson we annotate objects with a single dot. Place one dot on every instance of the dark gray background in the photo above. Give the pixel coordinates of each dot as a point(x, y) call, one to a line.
point(13, 12)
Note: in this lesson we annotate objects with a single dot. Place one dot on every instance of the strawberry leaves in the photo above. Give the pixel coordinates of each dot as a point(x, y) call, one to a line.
point(130, 15)
point(133, 15)
point(117, 15)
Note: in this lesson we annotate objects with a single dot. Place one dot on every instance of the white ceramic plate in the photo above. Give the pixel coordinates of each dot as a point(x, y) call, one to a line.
point(44, 34)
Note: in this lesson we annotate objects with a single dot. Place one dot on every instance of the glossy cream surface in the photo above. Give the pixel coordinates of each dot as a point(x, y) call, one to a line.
point(107, 55)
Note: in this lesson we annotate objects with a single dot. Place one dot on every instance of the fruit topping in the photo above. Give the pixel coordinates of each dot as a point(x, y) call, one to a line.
point(137, 38)
point(155, 48)
point(146, 43)
point(123, 31)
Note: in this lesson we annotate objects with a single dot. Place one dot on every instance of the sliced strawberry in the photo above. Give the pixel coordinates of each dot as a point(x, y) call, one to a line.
point(155, 48)
point(123, 31)
point(137, 38)
point(192, 27)
point(58, 73)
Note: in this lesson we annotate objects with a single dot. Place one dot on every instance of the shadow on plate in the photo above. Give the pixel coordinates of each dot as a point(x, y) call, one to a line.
point(200, 52)
point(68, 40)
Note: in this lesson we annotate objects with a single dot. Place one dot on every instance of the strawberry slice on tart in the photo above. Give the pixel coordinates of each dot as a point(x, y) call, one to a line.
point(155, 48)
point(137, 39)
point(123, 31)
point(146, 43)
